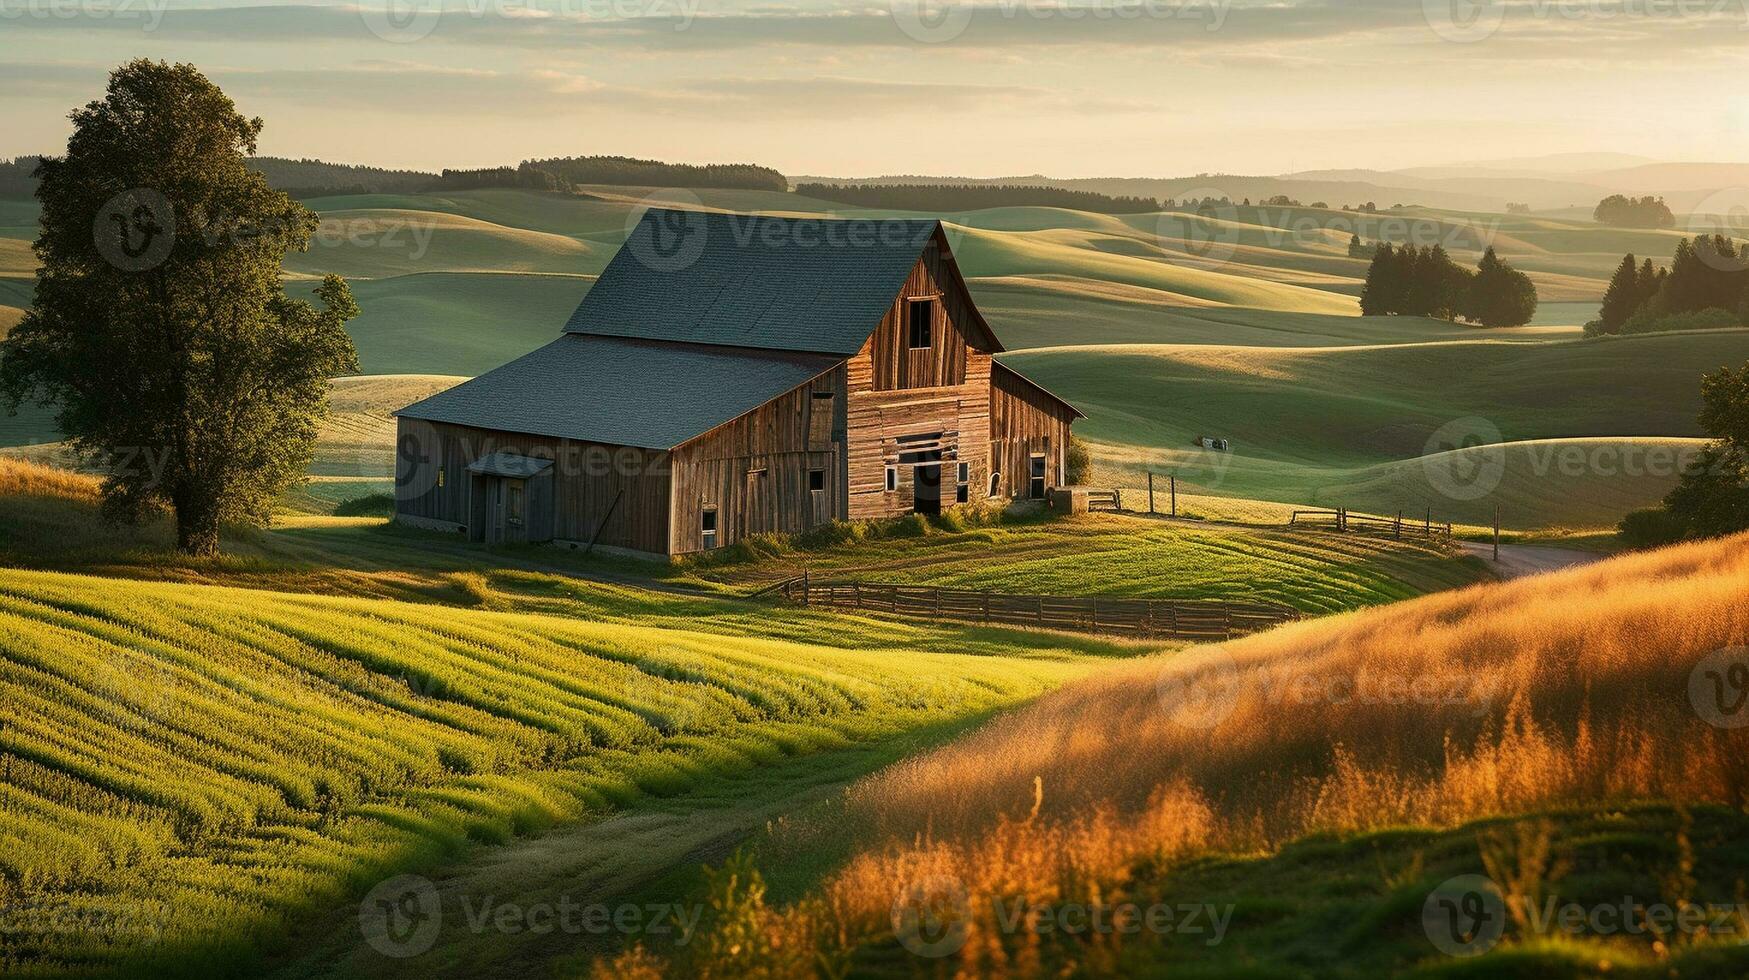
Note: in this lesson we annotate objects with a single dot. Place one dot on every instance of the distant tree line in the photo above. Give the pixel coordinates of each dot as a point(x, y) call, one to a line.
point(1410, 281)
point(1634, 212)
point(1706, 285)
point(524, 177)
point(307, 178)
point(17, 177)
point(654, 173)
point(969, 197)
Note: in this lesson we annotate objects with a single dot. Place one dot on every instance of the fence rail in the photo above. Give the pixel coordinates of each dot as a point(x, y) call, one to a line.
point(1341, 519)
point(1192, 619)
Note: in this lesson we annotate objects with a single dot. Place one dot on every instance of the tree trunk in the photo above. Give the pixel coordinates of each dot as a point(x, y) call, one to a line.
point(197, 531)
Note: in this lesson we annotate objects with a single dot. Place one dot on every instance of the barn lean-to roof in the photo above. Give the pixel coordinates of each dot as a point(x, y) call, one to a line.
point(621, 392)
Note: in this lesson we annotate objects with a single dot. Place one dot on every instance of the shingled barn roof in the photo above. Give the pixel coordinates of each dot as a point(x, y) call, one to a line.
point(621, 392)
point(795, 284)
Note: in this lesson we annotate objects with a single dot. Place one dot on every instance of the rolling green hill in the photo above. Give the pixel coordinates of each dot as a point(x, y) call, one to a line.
point(190, 768)
point(1346, 426)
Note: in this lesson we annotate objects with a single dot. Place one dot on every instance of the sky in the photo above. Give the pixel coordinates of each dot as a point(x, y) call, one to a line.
point(844, 88)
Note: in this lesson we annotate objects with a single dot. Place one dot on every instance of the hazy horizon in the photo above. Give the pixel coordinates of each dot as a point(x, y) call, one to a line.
point(845, 89)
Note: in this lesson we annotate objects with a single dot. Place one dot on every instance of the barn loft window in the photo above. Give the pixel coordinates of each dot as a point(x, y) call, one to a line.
point(892, 478)
point(820, 420)
point(1036, 486)
point(920, 323)
point(817, 480)
point(707, 526)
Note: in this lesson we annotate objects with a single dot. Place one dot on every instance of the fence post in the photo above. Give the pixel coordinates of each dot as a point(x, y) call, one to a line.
point(1174, 480)
point(1150, 491)
point(1397, 528)
point(1429, 528)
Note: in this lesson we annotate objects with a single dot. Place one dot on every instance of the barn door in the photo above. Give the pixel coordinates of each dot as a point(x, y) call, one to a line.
point(927, 479)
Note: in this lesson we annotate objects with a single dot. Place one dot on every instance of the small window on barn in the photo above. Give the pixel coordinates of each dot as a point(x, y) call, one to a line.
point(513, 501)
point(440, 477)
point(817, 480)
point(995, 484)
point(892, 478)
point(962, 493)
point(920, 323)
point(965, 472)
point(820, 421)
point(707, 525)
point(1036, 486)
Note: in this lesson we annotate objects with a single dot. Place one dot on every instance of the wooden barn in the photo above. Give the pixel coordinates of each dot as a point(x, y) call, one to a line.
point(730, 375)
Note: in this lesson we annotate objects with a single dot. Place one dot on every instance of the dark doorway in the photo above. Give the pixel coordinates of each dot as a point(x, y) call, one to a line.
point(927, 480)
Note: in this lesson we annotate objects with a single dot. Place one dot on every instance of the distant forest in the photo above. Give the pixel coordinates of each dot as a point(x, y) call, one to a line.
point(317, 178)
point(655, 173)
point(969, 197)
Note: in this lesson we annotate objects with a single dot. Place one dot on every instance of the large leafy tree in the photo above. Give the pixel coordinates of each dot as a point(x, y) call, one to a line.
point(160, 330)
point(1712, 497)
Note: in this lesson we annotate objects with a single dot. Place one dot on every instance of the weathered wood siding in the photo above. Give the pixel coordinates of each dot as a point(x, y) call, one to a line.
point(754, 470)
point(587, 479)
point(897, 393)
point(1025, 420)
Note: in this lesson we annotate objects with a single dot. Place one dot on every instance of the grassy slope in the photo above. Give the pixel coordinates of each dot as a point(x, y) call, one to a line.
point(1111, 555)
point(1324, 779)
point(1347, 425)
point(203, 762)
point(48, 519)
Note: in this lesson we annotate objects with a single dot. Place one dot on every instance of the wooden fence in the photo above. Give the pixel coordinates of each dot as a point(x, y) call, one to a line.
point(1107, 500)
point(1191, 619)
point(1341, 520)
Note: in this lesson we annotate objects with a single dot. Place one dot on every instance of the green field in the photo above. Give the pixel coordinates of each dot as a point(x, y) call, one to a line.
point(1592, 427)
point(191, 769)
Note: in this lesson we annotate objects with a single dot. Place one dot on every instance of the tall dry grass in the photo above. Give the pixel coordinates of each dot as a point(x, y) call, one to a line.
point(1562, 689)
point(1494, 699)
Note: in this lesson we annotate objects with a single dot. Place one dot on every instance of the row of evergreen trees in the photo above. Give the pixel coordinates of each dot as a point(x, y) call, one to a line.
point(1706, 285)
point(1409, 281)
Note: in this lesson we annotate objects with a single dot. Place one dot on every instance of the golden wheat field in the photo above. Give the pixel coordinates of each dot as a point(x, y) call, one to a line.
point(1585, 687)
